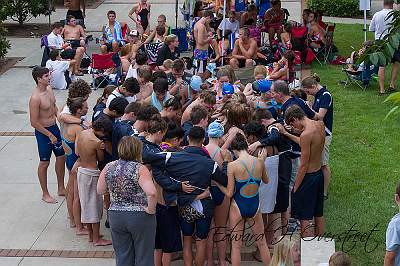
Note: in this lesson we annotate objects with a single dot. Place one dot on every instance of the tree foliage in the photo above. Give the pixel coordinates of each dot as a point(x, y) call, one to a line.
point(381, 54)
point(4, 43)
point(23, 10)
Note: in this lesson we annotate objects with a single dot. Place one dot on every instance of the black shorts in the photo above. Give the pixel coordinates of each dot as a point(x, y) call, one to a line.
point(77, 14)
point(308, 200)
point(242, 63)
point(282, 198)
point(68, 54)
point(109, 46)
point(396, 56)
point(168, 233)
point(74, 43)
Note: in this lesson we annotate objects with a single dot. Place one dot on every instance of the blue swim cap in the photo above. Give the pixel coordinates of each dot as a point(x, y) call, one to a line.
point(195, 83)
point(215, 130)
point(227, 88)
point(264, 85)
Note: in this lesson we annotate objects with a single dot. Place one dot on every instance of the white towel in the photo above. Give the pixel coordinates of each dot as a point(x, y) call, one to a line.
point(91, 202)
point(268, 191)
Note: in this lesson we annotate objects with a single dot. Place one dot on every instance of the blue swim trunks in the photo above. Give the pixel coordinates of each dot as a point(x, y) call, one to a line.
point(200, 54)
point(45, 147)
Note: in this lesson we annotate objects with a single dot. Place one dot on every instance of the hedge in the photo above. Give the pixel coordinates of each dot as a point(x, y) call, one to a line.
point(335, 8)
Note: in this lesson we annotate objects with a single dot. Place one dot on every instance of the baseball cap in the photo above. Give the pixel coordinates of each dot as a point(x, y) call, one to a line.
point(195, 83)
point(134, 33)
point(215, 130)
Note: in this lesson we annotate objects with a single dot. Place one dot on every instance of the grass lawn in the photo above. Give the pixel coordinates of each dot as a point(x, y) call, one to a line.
point(364, 158)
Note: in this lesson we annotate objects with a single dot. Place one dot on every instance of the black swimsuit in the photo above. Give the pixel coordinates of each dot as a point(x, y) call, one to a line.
point(143, 17)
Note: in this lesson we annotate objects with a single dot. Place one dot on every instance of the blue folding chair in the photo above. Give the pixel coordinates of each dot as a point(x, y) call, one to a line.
point(361, 78)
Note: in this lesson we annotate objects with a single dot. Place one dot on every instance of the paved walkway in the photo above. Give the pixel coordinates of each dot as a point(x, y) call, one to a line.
point(32, 232)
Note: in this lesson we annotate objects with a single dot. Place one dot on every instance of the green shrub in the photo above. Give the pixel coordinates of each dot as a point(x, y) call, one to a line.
point(4, 43)
point(335, 8)
point(23, 10)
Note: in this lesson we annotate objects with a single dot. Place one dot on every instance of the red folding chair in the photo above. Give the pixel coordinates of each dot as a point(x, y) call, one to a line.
point(299, 38)
point(100, 63)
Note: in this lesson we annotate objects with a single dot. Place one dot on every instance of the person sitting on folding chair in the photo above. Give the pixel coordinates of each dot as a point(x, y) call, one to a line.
point(316, 34)
point(56, 42)
point(352, 60)
point(273, 20)
point(73, 33)
point(112, 34)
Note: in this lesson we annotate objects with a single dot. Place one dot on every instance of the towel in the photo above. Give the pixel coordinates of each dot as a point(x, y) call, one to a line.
point(268, 191)
point(91, 202)
point(156, 103)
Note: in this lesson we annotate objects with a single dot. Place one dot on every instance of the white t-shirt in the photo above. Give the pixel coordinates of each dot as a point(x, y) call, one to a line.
point(55, 40)
point(116, 94)
point(57, 69)
point(132, 73)
point(66, 110)
point(393, 237)
point(228, 25)
point(379, 24)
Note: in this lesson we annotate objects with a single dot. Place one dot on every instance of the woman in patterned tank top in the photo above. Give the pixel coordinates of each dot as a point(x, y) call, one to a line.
point(133, 204)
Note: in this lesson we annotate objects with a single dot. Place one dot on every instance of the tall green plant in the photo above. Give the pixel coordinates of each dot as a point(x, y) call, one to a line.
point(24, 10)
point(4, 43)
point(381, 53)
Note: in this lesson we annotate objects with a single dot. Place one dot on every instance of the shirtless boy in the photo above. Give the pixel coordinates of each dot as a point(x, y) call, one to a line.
point(308, 191)
point(203, 39)
point(161, 22)
point(90, 148)
point(74, 9)
point(43, 113)
point(244, 51)
point(73, 33)
point(56, 42)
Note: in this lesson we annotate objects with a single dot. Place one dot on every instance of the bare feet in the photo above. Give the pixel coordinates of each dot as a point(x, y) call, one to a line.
point(82, 232)
point(49, 199)
point(72, 223)
point(102, 242)
point(62, 192)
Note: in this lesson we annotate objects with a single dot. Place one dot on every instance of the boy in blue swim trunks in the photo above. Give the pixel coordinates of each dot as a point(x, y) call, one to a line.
point(203, 39)
point(308, 191)
point(43, 113)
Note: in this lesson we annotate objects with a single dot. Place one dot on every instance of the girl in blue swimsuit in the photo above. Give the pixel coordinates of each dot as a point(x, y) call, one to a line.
point(215, 132)
point(78, 107)
point(244, 177)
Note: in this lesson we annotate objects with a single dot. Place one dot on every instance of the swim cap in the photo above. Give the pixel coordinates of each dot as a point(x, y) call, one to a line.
point(264, 85)
point(215, 130)
point(195, 83)
point(227, 88)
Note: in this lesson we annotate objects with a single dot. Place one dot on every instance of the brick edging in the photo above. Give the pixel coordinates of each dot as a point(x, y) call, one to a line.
point(75, 254)
point(56, 253)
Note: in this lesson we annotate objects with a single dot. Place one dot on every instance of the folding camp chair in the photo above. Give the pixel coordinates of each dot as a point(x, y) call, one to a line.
point(327, 50)
point(46, 50)
point(102, 62)
point(361, 78)
point(299, 38)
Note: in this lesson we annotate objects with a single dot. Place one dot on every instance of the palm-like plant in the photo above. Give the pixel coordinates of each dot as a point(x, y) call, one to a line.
point(381, 53)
